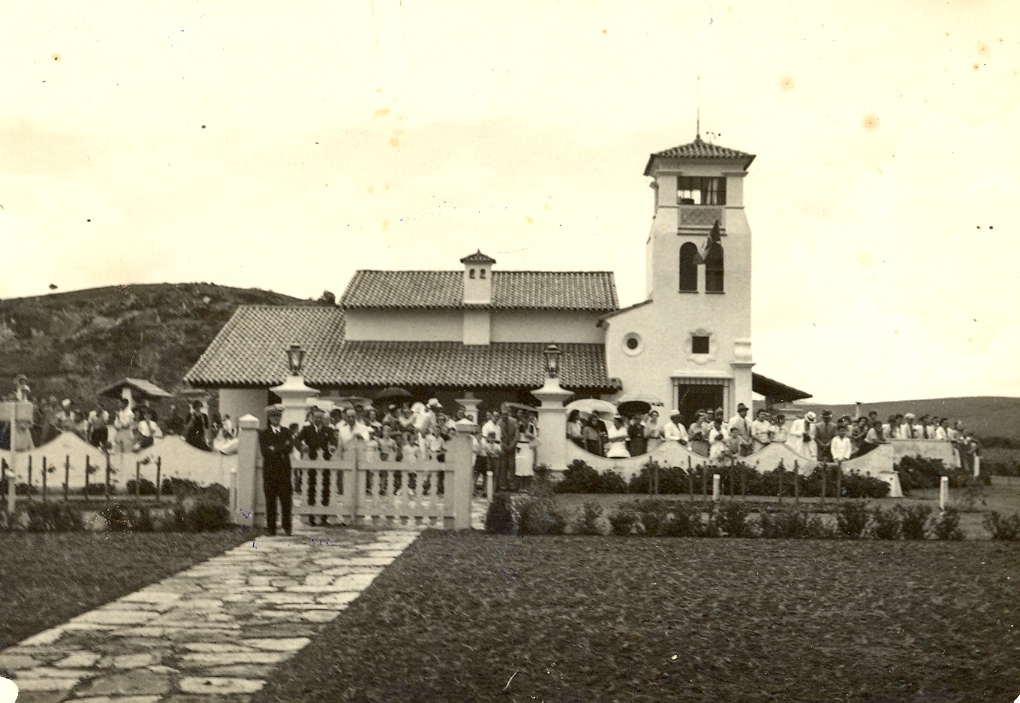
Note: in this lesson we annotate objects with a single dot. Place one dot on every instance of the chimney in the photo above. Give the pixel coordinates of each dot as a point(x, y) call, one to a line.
point(477, 279)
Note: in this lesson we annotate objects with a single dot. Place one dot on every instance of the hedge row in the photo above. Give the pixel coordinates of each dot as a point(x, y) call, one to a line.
point(735, 480)
point(526, 515)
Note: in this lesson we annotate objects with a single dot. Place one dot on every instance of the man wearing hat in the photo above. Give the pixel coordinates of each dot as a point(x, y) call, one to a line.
point(802, 436)
point(743, 427)
point(318, 437)
point(276, 443)
point(674, 430)
point(825, 431)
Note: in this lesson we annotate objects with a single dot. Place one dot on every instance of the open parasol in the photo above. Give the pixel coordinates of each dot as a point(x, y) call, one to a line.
point(636, 403)
point(592, 406)
point(392, 393)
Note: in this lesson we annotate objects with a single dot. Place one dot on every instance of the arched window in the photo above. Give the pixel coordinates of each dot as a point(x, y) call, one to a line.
point(471, 274)
point(689, 267)
point(481, 273)
point(714, 270)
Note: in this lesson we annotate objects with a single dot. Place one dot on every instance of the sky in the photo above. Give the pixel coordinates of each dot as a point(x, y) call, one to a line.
point(284, 145)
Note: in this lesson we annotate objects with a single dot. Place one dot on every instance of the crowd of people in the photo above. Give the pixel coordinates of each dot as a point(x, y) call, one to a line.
point(712, 435)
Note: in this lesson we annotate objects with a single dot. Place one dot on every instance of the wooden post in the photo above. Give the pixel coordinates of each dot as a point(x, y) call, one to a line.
point(943, 493)
point(108, 469)
point(138, 479)
point(743, 481)
point(732, 479)
point(704, 482)
point(488, 485)
point(781, 469)
point(67, 476)
point(159, 483)
point(690, 478)
point(459, 453)
point(716, 480)
point(825, 476)
point(45, 498)
point(88, 469)
point(839, 480)
point(29, 494)
point(796, 482)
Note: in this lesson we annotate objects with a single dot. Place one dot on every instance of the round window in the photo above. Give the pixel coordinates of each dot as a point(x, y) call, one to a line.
point(632, 344)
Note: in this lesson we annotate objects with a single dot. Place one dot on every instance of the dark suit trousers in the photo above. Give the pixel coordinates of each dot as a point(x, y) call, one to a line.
point(277, 485)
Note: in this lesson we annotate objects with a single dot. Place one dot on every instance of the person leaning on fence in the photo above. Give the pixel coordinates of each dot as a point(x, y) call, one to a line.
point(147, 430)
point(317, 437)
point(276, 444)
point(673, 431)
point(761, 430)
point(824, 433)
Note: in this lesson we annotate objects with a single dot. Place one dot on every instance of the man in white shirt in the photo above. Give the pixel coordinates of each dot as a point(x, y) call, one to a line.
point(673, 431)
point(492, 425)
point(840, 447)
point(124, 423)
point(743, 427)
point(349, 429)
point(802, 436)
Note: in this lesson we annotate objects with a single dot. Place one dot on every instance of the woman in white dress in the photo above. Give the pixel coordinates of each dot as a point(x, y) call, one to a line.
point(617, 444)
point(524, 460)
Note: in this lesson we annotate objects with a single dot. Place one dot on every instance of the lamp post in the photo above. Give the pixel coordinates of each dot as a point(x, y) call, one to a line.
point(552, 361)
point(294, 394)
point(552, 416)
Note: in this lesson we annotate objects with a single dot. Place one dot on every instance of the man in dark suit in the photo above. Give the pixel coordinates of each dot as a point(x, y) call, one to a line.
point(509, 433)
point(276, 443)
point(318, 436)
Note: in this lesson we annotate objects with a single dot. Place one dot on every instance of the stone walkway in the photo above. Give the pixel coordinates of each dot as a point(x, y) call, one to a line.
point(211, 632)
point(214, 631)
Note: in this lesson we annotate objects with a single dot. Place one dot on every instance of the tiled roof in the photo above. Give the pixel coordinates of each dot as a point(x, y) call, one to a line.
point(478, 258)
point(139, 384)
point(522, 290)
point(250, 349)
point(249, 352)
point(699, 149)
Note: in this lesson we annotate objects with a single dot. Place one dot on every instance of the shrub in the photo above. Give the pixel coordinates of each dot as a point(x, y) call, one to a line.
point(915, 519)
point(947, 525)
point(499, 520)
point(856, 485)
point(540, 516)
point(579, 478)
point(731, 517)
point(54, 517)
point(887, 524)
point(681, 521)
point(653, 516)
point(117, 518)
point(623, 519)
point(588, 524)
point(180, 487)
point(145, 487)
point(788, 523)
point(851, 519)
point(1003, 528)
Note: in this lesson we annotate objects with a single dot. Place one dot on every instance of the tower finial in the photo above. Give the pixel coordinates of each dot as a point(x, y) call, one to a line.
point(698, 113)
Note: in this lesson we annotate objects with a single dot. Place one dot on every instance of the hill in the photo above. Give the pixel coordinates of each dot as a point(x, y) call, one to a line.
point(986, 416)
point(72, 344)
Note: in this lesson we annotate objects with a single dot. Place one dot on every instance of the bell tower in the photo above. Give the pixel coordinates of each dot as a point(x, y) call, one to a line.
point(698, 272)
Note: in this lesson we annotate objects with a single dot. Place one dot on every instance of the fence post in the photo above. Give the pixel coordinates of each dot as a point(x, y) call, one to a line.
point(796, 482)
point(45, 498)
point(943, 493)
point(460, 454)
point(781, 469)
point(825, 476)
point(716, 480)
point(138, 479)
point(743, 481)
point(488, 485)
point(67, 476)
point(108, 469)
point(29, 494)
point(690, 478)
point(88, 469)
point(839, 480)
point(159, 483)
point(247, 453)
point(704, 482)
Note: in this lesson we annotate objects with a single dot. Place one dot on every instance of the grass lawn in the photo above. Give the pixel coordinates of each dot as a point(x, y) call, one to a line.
point(48, 578)
point(458, 615)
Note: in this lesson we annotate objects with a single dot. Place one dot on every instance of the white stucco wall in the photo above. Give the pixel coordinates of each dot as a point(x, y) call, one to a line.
point(546, 326)
point(476, 327)
point(405, 325)
point(667, 324)
point(238, 402)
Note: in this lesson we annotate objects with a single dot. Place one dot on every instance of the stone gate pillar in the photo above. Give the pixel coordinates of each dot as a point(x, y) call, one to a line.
point(245, 493)
point(552, 425)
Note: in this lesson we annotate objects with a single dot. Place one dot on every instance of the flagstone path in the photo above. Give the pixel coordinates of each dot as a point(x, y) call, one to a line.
point(212, 632)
